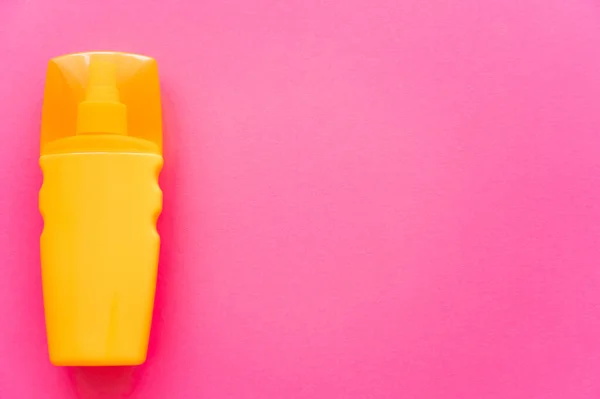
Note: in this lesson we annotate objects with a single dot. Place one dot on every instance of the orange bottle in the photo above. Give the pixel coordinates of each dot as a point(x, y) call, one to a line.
point(101, 154)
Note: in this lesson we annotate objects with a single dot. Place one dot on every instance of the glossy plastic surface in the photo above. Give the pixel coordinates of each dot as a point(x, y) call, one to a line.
point(67, 90)
point(99, 255)
point(101, 157)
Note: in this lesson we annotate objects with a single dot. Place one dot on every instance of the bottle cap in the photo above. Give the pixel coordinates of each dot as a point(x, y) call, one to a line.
point(101, 93)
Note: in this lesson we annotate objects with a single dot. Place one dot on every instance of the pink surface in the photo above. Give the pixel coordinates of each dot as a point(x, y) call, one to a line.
point(363, 199)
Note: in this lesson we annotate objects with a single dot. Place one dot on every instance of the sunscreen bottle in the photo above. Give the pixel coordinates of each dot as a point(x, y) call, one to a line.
point(100, 154)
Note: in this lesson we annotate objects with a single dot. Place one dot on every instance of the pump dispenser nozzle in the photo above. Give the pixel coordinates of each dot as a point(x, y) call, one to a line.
point(101, 112)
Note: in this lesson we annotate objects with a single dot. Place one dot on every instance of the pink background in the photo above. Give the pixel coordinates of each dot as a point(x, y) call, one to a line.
point(363, 199)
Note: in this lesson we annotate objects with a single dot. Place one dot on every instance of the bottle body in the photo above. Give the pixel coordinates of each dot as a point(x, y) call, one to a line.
point(99, 252)
point(100, 154)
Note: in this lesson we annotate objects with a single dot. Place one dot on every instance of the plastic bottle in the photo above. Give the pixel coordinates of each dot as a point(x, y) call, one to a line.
point(101, 154)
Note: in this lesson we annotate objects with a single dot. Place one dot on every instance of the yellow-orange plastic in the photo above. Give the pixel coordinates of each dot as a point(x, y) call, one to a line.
point(101, 154)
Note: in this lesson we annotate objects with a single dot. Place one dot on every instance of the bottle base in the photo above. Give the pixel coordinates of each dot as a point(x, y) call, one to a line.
point(71, 360)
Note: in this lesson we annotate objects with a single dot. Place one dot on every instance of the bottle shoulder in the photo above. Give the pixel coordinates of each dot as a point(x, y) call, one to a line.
point(93, 143)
